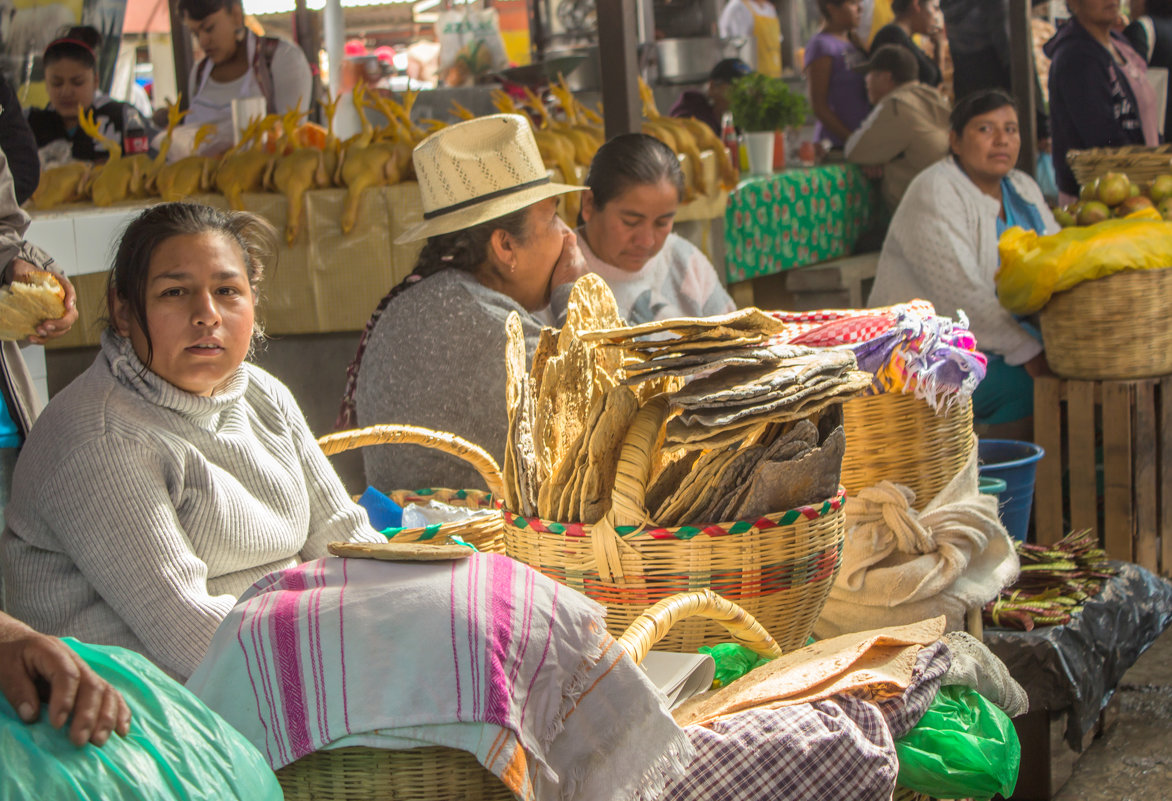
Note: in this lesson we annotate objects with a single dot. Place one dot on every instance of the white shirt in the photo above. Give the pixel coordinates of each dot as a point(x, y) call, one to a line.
point(678, 281)
point(736, 20)
point(942, 247)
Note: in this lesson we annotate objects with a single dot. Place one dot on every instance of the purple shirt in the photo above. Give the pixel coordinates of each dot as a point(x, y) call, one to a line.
point(848, 91)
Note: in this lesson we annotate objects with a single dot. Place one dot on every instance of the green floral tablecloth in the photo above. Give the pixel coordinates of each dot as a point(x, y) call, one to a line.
point(796, 217)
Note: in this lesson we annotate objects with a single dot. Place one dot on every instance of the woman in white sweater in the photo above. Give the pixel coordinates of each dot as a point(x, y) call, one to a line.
point(633, 191)
point(942, 246)
point(171, 475)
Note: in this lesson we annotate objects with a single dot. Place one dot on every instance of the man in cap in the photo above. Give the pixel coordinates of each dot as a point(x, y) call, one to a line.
point(709, 106)
point(907, 129)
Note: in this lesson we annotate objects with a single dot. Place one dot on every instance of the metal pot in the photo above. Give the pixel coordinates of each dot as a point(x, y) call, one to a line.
point(587, 76)
point(690, 60)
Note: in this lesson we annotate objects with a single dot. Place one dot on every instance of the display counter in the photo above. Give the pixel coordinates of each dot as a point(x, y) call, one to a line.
point(795, 218)
point(326, 281)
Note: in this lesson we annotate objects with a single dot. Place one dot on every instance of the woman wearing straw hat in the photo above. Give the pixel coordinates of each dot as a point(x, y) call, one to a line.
point(433, 352)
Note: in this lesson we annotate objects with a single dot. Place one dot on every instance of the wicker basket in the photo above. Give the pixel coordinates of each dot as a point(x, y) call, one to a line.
point(1111, 328)
point(898, 437)
point(1139, 163)
point(778, 568)
point(447, 774)
point(485, 532)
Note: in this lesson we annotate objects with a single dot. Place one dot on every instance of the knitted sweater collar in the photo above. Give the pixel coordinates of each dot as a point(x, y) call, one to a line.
point(130, 373)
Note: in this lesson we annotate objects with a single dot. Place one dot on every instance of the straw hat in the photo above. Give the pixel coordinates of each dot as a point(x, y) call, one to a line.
point(476, 171)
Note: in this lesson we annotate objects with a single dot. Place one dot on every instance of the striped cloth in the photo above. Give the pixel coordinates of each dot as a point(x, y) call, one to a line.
point(840, 748)
point(481, 654)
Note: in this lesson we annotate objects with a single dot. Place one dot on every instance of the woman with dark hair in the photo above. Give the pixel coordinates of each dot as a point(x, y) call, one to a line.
point(171, 475)
point(71, 78)
point(238, 64)
point(633, 190)
point(1150, 33)
point(1099, 91)
point(838, 94)
point(942, 246)
point(915, 18)
point(433, 353)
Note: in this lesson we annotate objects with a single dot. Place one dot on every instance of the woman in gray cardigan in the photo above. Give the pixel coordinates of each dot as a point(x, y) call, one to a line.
point(433, 354)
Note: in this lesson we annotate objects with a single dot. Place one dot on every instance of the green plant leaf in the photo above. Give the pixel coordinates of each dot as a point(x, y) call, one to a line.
point(761, 103)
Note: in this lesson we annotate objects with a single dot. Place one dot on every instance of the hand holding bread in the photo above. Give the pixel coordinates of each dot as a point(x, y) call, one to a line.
point(38, 305)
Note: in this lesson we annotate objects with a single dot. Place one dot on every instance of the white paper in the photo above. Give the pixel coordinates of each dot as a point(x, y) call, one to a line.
point(679, 676)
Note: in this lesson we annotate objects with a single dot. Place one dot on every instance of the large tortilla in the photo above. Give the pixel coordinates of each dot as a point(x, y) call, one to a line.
point(750, 319)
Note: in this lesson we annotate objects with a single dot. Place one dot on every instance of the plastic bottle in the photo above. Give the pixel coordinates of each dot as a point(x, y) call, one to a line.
point(135, 139)
point(728, 135)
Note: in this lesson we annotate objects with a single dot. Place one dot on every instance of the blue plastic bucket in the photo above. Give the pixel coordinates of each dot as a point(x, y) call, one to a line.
point(1016, 464)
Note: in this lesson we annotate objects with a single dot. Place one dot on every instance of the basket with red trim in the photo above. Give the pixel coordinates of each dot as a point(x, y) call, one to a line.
point(779, 568)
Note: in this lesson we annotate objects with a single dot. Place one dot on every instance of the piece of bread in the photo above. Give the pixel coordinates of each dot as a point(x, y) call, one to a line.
point(28, 302)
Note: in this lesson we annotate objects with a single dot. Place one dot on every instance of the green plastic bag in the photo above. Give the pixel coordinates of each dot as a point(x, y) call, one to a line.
point(732, 661)
point(177, 749)
point(963, 747)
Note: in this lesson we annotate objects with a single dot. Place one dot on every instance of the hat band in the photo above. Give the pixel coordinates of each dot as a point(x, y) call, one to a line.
point(463, 204)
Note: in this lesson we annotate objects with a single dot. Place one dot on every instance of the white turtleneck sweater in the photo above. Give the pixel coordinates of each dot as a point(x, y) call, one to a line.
point(140, 512)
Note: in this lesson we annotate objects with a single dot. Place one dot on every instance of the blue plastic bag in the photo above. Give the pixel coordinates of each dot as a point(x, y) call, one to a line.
point(177, 749)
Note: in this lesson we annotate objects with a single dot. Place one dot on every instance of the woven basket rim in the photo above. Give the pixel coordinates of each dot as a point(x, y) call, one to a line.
point(437, 529)
point(808, 512)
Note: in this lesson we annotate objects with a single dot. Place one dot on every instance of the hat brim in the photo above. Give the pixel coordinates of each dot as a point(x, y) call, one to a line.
point(483, 212)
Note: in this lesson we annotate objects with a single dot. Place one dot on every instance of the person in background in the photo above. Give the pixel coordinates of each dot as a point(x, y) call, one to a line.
point(17, 142)
point(19, 402)
point(710, 105)
point(916, 18)
point(838, 95)
point(757, 22)
point(633, 190)
point(37, 669)
point(495, 245)
point(1150, 33)
point(1099, 91)
point(907, 131)
point(239, 64)
point(171, 475)
point(942, 247)
point(71, 79)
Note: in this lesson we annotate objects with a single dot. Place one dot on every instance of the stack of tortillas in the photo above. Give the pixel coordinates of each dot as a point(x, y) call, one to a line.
point(732, 444)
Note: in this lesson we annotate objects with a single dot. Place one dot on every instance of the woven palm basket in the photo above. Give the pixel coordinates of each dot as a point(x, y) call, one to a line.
point(1138, 162)
point(447, 774)
point(1111, 328)
point(779, 568)
point(898, 437)
point(484, 532)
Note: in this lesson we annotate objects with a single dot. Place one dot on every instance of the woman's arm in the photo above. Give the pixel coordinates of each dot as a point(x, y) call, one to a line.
point(818, 75)
point(292, 80)
point(18, 143)
point(939, 247)
point(1079, 86)
point(110, 506)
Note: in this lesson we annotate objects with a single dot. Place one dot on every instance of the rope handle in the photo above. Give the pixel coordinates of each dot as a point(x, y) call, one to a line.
point(651, 626)
point(394, 434)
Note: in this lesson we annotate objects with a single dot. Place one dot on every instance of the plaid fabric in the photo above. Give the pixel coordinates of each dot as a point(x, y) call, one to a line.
point(825, 328)
point(842, 748)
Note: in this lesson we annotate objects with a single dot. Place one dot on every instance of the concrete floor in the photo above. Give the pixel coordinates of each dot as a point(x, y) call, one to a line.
point(1132, 761)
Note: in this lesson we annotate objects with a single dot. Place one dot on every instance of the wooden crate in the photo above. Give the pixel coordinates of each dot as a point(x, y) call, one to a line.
point(1124, 429)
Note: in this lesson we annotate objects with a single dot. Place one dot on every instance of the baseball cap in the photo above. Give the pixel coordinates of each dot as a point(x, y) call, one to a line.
point(896, 59)
point(728, 70)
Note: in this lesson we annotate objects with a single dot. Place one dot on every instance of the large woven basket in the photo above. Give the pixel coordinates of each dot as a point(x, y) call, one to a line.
point(779, 568)
point(898, 437)
point(485, 532)
point(1138, 162)
point(447, 774)
point(1117, 327)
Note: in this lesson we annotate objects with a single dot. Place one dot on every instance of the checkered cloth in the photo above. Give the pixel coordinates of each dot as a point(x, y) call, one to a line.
point(842, 748)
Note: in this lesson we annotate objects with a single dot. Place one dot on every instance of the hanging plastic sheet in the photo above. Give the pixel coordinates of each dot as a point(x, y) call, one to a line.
point(1077, 666)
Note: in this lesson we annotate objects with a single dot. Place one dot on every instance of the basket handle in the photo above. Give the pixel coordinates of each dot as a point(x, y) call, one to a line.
point(394, 434)
point(650, 627)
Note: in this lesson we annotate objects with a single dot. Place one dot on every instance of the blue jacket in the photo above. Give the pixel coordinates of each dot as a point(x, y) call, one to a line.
point(1091, 102)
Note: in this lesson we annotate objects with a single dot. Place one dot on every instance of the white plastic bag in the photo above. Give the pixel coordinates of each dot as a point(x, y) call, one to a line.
point(471, 44)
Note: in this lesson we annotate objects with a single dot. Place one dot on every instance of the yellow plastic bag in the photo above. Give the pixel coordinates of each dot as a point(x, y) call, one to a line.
point(1035, 267)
